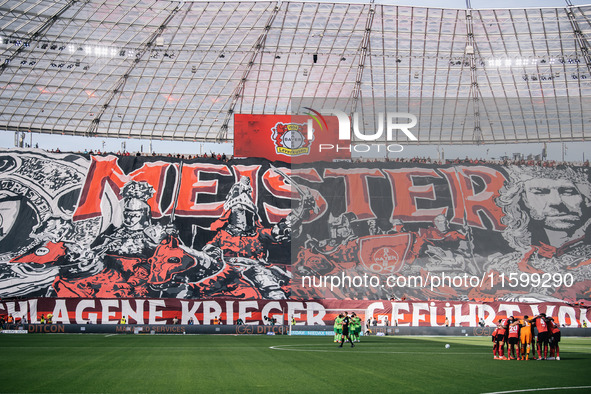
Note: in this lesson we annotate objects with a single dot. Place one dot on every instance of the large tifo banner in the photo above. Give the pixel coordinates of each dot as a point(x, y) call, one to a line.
point(80, 226)
point(312, 312)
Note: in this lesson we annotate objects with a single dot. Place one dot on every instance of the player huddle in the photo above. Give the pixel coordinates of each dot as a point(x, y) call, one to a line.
point(347, 328)
point(517, 334)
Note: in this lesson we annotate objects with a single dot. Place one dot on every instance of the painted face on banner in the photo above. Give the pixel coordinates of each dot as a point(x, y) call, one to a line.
point(134, 214)
point(556, 202)
point(440, 223)
point(242, 219)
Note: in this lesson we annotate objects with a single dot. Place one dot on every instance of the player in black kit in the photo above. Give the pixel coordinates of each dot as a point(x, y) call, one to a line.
point(346, 323)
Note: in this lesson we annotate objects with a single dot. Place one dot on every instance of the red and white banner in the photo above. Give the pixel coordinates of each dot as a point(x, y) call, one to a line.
point(130, 227)
point(314, 312)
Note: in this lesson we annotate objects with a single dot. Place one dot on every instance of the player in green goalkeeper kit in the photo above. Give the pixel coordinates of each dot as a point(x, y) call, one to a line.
point(338, 328)
point(356, 327)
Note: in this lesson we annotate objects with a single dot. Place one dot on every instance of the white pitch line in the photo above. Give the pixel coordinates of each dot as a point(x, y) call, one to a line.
point(287, 348)
point(539, 389)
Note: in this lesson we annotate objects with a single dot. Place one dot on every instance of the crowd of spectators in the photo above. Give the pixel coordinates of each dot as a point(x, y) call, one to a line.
point(8, 322)
point(212, 155)
point(502, 161)
point(529, 161)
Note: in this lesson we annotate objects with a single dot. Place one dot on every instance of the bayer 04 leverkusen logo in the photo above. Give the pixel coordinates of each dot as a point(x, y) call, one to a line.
point(290, 139)
point(385, 254)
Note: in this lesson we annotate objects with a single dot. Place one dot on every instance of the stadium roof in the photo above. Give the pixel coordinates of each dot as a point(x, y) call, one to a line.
point(180, 70)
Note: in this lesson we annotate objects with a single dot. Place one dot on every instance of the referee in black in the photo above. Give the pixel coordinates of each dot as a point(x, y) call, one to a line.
point(346, 322)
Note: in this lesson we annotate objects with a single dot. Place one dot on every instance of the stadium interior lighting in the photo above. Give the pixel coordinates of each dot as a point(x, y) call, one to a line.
point(203, 54)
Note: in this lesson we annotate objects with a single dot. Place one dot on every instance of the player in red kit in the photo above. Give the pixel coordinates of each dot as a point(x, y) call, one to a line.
point(495, 344)
point(502, 337)
point(554, 339)
point(513, 338)
point(543, 333)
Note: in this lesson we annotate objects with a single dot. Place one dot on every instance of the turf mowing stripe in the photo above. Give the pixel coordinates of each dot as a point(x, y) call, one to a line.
point(539, 389)
point(362, 351)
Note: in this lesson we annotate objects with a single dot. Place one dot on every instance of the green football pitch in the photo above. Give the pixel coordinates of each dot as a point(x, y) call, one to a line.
point(86, 363)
